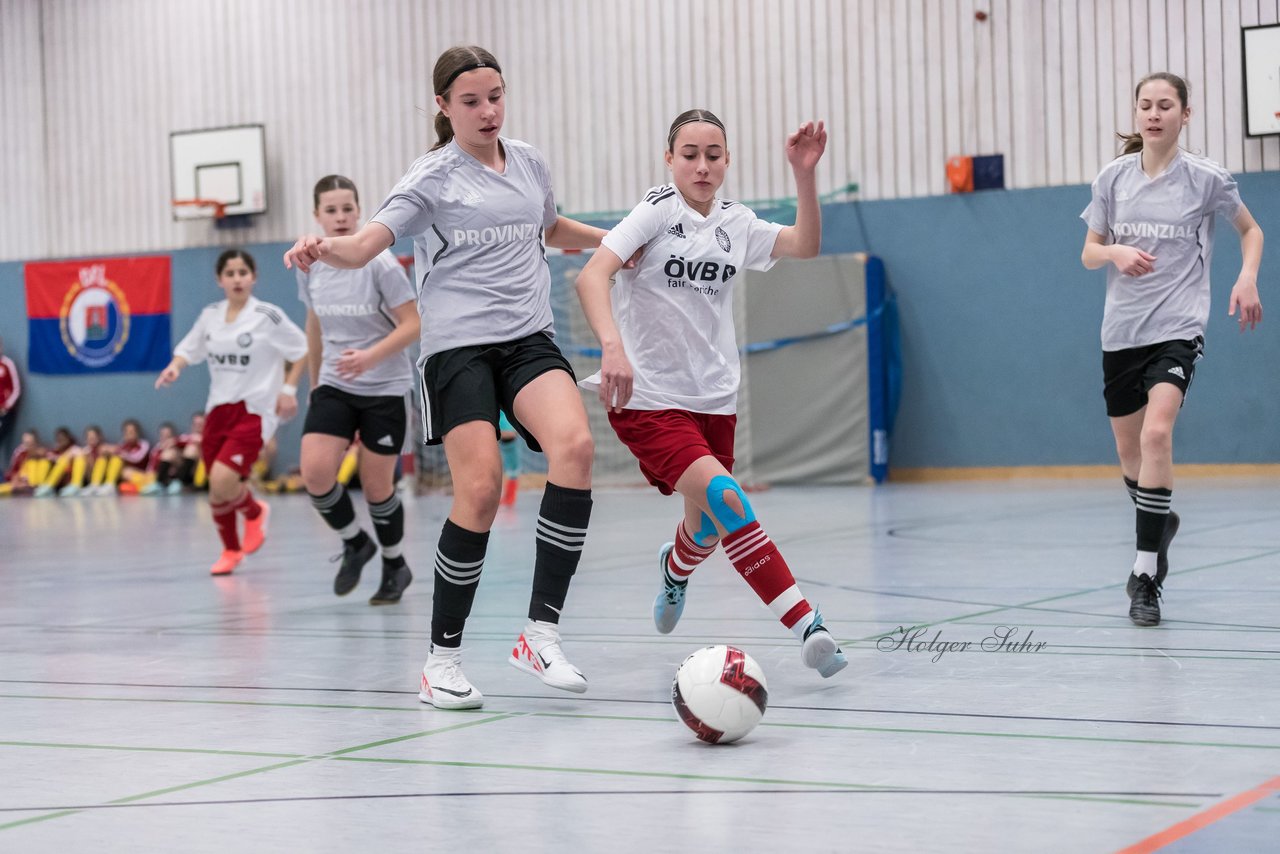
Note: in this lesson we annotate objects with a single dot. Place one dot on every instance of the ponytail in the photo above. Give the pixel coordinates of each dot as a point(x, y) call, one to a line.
point(1132, 142)
point(444, 130)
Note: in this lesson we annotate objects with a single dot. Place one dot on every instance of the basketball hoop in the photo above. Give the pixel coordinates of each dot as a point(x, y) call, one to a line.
point(219, 208)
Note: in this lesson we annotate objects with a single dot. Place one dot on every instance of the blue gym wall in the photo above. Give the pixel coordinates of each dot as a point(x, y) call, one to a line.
point(1000, 332)
point(999, 328)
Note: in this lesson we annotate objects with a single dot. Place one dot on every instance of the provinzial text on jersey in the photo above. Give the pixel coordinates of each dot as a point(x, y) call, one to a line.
point(350, 310)
point(497, 234)
point(1151, 229)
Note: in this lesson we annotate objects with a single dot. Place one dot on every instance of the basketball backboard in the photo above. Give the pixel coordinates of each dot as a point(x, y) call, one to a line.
point(226, 165)
point(1261, 54)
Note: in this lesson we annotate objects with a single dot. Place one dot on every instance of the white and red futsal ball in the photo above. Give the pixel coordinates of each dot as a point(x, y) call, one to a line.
point(720, 693)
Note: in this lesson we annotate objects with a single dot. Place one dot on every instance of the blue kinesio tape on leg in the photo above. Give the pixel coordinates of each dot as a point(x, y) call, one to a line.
point(707, 534)
point(725, 515)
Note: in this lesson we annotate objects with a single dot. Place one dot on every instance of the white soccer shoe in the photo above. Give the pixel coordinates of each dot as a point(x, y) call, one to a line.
point(537, 652)
point(444, 685)
point(820, 650)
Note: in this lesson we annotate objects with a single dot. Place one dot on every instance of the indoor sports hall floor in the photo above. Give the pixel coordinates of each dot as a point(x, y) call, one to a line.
point(145, 706)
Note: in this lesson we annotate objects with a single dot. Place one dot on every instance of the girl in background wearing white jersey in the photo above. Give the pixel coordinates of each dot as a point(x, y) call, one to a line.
point(1150, 222)
point(255, 359)
point(479, 208)
point(669, 367)
point(359, 323)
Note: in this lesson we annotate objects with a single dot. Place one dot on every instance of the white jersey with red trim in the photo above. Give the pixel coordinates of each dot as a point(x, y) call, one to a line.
point(674, 311)
point(246, 356)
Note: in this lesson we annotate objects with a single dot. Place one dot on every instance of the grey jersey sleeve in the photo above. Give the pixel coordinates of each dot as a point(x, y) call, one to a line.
point(304, 292)
point(1097, 216)
point(392, 280)
point(549, 213)
point(407, 211)
point(1225, 196)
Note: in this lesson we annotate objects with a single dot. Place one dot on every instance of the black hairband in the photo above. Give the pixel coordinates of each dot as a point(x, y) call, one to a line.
point(464, 69)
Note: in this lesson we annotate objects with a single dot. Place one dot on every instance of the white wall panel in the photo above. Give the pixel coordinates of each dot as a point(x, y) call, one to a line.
point(23, 164)
point(91, 89)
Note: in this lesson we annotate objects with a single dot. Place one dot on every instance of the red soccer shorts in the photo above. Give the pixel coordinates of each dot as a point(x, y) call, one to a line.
point(233, 437)
point(667, 441)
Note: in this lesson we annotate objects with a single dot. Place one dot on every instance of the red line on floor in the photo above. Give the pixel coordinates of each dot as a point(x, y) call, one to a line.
point(1202, 820)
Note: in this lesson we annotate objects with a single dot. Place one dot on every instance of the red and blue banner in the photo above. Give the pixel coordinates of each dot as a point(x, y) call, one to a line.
point(98, 316)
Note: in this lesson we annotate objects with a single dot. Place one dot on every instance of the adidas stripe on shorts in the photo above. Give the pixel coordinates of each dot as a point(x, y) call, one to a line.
point(380, 420)
point(1129, 374)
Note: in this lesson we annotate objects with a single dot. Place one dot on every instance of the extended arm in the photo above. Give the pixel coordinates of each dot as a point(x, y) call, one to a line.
point(593, 292)
point(804, 150)
point(567, 233)
point(348, 252)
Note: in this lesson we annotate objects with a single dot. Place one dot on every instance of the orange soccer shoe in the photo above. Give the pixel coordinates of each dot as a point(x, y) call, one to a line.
point(227, 562)
point(255, 530)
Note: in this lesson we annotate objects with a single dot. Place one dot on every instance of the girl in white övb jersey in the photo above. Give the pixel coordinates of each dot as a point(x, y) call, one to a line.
point(480, 208)
point(669, 368)
point(359, 323)
point(1150, 223)
point(255, 355)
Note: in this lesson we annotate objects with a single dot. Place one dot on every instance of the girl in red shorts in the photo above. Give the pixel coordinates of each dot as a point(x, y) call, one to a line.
point(669, 367)
point(255, 355)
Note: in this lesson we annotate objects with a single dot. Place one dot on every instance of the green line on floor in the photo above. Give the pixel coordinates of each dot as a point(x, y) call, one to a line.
point(334, 755)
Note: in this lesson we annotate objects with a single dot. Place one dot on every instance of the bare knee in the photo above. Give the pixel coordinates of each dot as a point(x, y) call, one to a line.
point(224, 486)
point(579, 449)
point(1157, 440)
point(475, 496)
point(569, 459)
point(318, 480)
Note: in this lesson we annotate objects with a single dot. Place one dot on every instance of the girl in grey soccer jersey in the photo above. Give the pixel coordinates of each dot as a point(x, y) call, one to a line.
point(480, 209)
point(669, 370)
point(359, 323)
point(1151, 224)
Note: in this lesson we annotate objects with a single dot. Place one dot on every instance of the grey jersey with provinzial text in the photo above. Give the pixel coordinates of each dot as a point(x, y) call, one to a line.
point(477, 244)
point(354, 310)
point(1171, 217)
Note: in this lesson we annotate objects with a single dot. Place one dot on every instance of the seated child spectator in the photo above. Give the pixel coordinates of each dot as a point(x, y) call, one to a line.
point(27, 467)
point(164, 463)
point(191, 471)
point(70, 462)
point(123, 463)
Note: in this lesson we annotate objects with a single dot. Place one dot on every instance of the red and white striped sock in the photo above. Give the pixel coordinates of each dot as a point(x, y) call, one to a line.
point(246, 505)
point(685, 557)
point(760, 563)
point(224, 517)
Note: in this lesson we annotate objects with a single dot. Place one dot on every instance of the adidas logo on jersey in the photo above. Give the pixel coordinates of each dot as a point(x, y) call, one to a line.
point(677, 230)
point(385, 441)
point(238, 459)
point(1176, 370)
